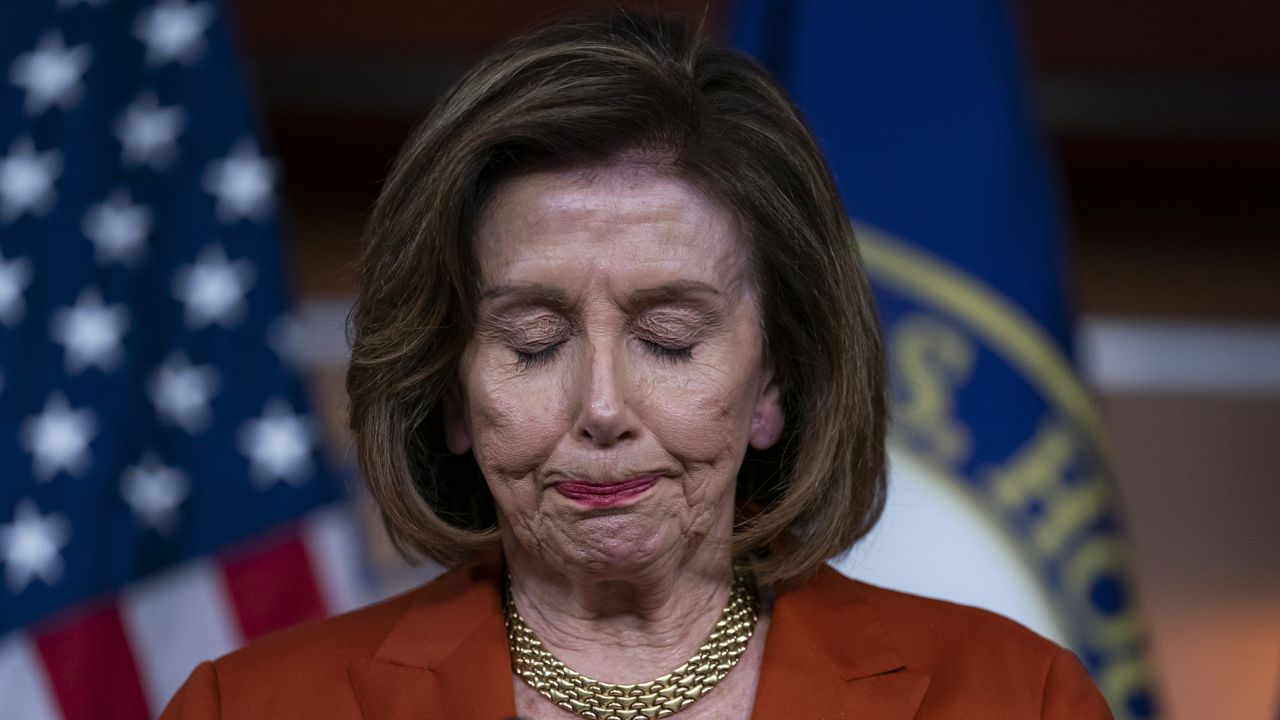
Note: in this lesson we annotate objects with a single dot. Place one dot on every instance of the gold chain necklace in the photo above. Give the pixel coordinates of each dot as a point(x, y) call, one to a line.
point(596, 700)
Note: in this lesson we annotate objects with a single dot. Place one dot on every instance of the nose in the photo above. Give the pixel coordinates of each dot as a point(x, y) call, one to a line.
point(604, 416)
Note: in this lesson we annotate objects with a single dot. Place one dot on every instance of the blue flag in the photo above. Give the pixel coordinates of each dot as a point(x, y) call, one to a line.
point(148, 414)
point(920, 109)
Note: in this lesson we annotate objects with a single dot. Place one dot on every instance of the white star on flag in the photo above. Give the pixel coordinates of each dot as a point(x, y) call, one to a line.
point(278, 445)
point(181, 392)
point(15, 276)
point(243, 183)
point(148, 133)
point(173, 30)
point(58, 438)
point(286, 338)
point(118, 228)
point(154, 491)
point(213, 288)
point(30, 546)
point(90, 332)
point(26, 180)
point(50, 74)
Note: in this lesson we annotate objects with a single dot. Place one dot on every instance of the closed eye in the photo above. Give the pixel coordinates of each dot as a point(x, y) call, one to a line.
point(530, 359)
point(670, 333)
point(669, 354)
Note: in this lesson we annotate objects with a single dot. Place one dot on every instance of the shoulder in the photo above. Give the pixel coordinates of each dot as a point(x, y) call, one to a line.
point(944, 633)
point(304, 669)
point(321, 645)
point(973, 658)
point(926, 629)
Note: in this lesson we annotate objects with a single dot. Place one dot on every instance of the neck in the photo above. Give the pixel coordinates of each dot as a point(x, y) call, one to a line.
point(623, 628)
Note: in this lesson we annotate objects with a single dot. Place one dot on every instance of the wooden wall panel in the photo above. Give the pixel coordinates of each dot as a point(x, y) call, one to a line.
point(1223, 37)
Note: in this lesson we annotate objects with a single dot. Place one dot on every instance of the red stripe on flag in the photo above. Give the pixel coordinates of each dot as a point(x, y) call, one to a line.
point(272, 586)
point(91, 667)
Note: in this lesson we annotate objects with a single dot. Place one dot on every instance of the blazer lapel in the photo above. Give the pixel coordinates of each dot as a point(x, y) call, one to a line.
point(445, 658)
point(828, 655)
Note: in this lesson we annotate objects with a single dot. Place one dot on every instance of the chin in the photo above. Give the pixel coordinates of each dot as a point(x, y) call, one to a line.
point(619, 546)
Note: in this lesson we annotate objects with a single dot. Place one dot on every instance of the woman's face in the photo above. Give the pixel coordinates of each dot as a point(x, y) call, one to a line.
point(616, 374)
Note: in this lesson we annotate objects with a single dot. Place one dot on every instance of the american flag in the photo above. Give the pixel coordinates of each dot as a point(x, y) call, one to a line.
point(162, 496)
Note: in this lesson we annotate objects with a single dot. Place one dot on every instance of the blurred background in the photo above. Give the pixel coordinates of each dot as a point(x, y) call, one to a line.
point(1161, 122)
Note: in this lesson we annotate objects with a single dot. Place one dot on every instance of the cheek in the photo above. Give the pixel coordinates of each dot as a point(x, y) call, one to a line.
point(515, 419)
point(702, 416)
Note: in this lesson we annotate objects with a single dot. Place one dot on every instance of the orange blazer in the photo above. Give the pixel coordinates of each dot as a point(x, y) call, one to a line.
point(836, 648)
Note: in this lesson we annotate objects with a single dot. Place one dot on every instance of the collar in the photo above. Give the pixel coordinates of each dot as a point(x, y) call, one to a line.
point(446, 656)
point(828, 654)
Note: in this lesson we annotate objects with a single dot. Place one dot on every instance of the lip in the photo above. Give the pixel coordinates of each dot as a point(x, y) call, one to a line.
point(599, 495)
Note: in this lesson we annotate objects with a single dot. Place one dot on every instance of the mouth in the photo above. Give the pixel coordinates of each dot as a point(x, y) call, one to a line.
point(598, 495)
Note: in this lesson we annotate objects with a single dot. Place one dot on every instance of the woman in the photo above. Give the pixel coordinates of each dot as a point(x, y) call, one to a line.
point(616, 361)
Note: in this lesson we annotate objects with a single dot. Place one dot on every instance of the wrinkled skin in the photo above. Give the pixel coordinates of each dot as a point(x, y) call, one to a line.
point(619, 336)
point(616, 377)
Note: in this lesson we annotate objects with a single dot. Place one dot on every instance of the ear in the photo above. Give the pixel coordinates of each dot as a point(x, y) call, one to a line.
point(766, 419)
point(457, 431)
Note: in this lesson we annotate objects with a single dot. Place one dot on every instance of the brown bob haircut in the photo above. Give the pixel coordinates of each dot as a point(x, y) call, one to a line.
point(580, 94)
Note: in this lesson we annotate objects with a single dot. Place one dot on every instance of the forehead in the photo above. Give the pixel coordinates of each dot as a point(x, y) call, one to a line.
point(616, 219)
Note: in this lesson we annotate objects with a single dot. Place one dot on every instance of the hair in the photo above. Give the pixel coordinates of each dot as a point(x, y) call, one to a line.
point(581, 94)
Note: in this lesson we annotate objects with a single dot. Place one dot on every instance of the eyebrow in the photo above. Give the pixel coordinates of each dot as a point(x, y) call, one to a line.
point(551, 296)
point(530, 294)
point(667, 292)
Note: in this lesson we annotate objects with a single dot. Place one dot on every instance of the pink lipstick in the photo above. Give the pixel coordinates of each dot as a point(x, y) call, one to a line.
point(598, 495)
